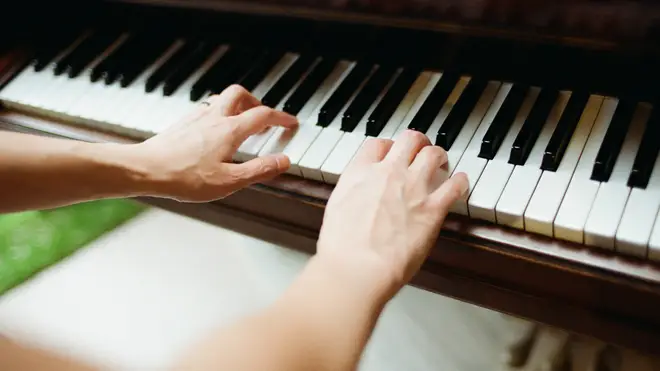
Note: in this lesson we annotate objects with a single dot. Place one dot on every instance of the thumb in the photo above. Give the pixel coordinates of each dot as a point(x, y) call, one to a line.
point(259, 169)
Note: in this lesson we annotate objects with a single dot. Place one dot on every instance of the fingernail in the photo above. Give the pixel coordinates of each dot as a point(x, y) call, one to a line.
point(465, 185)
point(282, 161)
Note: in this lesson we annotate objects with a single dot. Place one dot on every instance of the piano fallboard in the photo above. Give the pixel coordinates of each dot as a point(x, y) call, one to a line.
point(593, 291)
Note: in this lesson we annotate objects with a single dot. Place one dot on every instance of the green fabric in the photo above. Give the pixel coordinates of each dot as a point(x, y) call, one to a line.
point(34, 240)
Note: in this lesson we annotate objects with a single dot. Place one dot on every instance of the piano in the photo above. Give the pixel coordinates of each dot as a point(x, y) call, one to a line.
point(551, 108)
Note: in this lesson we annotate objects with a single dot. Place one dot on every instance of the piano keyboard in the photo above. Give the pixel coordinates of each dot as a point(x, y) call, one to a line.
point(564, 163)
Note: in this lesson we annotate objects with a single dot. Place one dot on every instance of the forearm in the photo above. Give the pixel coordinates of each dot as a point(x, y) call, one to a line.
point(322, 322)
point(39, 172)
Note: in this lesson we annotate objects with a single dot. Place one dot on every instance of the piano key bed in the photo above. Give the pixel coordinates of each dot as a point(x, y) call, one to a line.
point(564, 180)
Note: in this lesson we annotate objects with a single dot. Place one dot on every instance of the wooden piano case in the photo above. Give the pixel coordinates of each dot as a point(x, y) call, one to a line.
point(585, 290)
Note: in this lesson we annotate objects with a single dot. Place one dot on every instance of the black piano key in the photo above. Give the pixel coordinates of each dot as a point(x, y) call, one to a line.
point(149, 52)
point(554, 151)
point(434, 102)
point(89, 50)
point(459, 114)
point(224, 65)
point(343, 93)
point(611, 146)
point(259, 69)
point(647, 153)
point(502, 121)
point(234, 69)
point(311, 84)
point(532, 127)
point(165, 69)
point(187, 67)
point(130, 53)
point(391, 101)
point(284, 84)
point(366, 97)
point(52, 46)
point(101, 70)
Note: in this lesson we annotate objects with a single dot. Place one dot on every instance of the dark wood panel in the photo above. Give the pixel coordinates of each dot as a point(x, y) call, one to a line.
point(565, 21)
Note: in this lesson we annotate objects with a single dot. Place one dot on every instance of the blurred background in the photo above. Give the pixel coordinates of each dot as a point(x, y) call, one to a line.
point(116, 285)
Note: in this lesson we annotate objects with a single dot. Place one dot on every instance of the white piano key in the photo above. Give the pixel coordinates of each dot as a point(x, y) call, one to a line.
point(29, 83)
point(313, 159)
point(634, 232)
point(446, 108)
point(260, 140)
point(549, 192)
point(131, 101)
point(417, 89)
point(309, 112)
point(341, 71)
point(351, 142)
point(139, 117)
point(292, 143)
point(510, 208)
point(51, 89)
point(274, 74)
point(487, 191)
point(311, 163)
point(251, 146)
point(461, 142)
point(610, 201)
point(295, 144)
point(91, 97)
point(25, 81)
point(169, 109)
point(341, 156)
point(574, 209)
point(318, 152)
point(178, 105)
point(470, 163)
point(428, 88)
point(653, 251)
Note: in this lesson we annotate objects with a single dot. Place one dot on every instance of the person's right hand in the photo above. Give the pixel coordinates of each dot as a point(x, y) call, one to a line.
point(386, 212)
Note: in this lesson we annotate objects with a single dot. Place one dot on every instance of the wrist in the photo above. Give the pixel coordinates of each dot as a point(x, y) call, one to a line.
point(355, 281)
point(121, 170)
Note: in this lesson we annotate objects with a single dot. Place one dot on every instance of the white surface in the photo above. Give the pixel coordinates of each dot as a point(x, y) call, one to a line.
point(139, 296)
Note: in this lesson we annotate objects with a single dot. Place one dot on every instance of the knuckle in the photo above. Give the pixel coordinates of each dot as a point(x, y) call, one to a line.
point(263, 112)
point(431, 154)
point(236, 91)
point(377, 143)
point(417, 136)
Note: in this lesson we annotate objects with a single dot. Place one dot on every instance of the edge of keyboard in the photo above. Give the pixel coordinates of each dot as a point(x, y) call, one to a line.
point(596, 293)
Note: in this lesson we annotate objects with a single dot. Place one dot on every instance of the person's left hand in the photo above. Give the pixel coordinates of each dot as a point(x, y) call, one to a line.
point(192, 160)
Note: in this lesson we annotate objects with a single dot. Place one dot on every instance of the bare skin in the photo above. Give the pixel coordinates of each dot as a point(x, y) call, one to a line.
point(380, 223)
point(191, 161)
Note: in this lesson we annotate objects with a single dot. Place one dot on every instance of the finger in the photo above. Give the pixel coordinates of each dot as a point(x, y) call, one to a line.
point(258, 169)
point(232, 101)
point(406, 146)
point(429, 168)
point(449, 192)
point(258, 119)
point(373, 150)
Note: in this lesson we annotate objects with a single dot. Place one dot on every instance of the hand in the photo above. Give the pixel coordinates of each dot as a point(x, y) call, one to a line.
point(386, 212)
point(193, 159)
